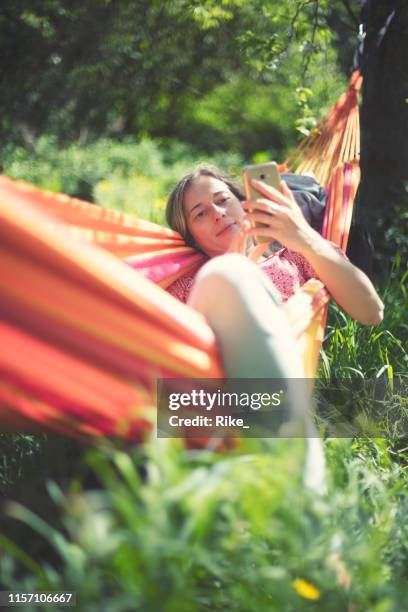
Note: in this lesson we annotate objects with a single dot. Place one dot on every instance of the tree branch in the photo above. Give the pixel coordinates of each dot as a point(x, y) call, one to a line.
point(315, 24)
point(349, 10)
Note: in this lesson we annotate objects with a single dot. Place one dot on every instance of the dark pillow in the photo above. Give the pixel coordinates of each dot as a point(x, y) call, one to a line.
point(310, 196)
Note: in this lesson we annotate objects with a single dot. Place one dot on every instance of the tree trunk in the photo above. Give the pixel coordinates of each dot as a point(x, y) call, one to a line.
point(384, 115)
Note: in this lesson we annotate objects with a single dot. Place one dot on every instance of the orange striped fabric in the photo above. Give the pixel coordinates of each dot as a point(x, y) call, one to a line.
point(86, 336)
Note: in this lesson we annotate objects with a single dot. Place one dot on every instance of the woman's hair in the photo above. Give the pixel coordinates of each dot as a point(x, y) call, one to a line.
point(175, 215)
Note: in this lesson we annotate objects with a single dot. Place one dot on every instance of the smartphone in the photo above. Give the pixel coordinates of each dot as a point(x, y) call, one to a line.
point(269, 174)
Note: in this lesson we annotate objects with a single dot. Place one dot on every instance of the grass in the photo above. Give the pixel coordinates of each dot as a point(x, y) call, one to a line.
point(363, 374)
point(179, 530)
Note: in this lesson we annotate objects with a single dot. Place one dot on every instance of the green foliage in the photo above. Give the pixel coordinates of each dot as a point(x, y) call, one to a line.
point(368, 349)
point(133, 176)
point(179, 530)
point(244, 115)
point(371, 361)
point(18, 454)
point(107, 69)
point(390, 237)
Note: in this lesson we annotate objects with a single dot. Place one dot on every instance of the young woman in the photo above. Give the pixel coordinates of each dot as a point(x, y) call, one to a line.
point(211, 213)
point(239, 292)
point(240, 298)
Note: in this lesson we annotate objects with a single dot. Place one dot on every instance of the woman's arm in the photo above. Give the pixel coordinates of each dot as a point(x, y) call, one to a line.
point(284, 221)
point(348, 285)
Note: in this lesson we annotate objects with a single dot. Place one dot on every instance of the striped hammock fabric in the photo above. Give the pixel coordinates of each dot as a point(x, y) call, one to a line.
point(85, 336)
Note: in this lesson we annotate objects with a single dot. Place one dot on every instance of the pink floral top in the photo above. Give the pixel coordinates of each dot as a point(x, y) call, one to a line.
point(287, 270)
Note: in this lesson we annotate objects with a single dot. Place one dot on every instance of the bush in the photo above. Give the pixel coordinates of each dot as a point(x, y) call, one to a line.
point(129, 175)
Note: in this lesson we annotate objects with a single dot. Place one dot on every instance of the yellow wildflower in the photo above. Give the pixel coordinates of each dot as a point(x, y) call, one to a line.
point(306, 589)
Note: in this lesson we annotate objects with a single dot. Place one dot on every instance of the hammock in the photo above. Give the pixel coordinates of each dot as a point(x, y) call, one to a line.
point(84, 337)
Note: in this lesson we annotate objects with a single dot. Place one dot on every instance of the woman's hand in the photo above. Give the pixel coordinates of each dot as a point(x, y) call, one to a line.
point(241, 243)
point(285, 222)
point(282, 218)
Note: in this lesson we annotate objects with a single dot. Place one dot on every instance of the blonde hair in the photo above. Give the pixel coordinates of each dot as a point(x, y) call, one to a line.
point(175, 215)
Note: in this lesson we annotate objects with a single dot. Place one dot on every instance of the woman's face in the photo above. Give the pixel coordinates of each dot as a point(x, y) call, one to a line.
point(213, 214)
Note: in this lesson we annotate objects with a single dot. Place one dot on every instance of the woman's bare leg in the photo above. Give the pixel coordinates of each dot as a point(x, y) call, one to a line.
point(242, 306)
point(255, 340)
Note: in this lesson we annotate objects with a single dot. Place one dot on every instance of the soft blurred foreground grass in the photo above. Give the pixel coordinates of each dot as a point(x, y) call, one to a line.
point(174, 530)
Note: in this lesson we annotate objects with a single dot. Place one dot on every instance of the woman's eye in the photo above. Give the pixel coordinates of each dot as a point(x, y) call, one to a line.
point(203, 212)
